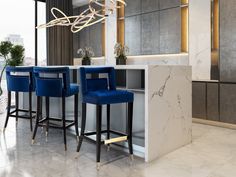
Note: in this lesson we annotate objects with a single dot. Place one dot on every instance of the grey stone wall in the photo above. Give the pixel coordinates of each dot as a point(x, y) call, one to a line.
point(153, 26)
point(88, 37)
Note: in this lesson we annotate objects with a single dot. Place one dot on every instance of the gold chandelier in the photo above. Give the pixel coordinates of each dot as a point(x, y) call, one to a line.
point(87, 18)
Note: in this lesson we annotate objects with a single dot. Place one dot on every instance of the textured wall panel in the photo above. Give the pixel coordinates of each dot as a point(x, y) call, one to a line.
point(199, 100)
point(150, 5)
point(164, 4)
point(150, 34)
point(227, 40)
point(170, 31)
point(228, 103)
point(212, 102)
point(133, 34)
point(133, 7)
point(95, 39)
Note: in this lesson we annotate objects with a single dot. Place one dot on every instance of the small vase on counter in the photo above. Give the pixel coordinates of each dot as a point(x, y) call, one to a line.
point(86, 54)
point(120, 51)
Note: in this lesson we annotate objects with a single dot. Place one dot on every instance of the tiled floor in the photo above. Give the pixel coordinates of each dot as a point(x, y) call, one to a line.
point(212, 154)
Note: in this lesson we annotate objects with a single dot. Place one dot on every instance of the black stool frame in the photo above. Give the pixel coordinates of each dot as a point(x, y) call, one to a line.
point(99, 131)
point(40, 119)
point(15, 112)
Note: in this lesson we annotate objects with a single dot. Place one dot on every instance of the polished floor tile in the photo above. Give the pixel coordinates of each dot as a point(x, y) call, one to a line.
point(211, 154)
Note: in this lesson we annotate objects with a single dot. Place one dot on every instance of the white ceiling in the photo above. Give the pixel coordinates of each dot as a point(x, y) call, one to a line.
point(77, 3)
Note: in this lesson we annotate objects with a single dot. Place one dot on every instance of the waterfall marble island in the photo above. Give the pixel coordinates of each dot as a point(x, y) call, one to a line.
point(162, 120)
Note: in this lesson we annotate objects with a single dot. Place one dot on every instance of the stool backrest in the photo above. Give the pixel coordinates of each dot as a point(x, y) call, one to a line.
point(49, 83)
point(88, 84)
point(20, 79)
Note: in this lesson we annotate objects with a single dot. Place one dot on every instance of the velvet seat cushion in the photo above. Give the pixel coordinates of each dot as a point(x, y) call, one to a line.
point(108, 97)
point(74, 89)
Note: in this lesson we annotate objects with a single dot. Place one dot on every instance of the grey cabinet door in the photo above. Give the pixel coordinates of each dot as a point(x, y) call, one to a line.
point(199, 100)
point(227, 40)
point(150, 34)
point(150, 6)
point(170, 31)
point(133, 7)
point(165, 4)
point(228, 103)
point(133, 34)
point(212, 102)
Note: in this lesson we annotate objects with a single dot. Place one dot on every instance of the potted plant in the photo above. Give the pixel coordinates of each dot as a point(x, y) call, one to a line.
point(86, 54)
point(120, 52)
point(13, 55)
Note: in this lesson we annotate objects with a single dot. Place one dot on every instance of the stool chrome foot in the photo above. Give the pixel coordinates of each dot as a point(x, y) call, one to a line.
point(33, 141)
point(4, 129)
point(132, 157)
point(98, 165)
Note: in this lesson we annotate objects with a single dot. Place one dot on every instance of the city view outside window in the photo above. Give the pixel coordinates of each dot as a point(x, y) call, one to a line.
point(18, 27)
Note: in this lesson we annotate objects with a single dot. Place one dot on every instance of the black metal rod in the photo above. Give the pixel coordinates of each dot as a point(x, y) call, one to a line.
point(36, 32)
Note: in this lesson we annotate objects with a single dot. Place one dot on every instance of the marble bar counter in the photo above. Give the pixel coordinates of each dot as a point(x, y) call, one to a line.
point(162, 119)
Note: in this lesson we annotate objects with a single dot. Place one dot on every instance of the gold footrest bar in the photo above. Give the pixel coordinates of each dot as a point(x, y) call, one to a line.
point(114, 140)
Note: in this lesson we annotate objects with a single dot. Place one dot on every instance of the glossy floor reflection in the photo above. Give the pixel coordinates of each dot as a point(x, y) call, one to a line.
point(212, 154)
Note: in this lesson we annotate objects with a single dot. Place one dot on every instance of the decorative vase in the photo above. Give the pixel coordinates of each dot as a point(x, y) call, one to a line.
point(86, 62)
point(120, 61)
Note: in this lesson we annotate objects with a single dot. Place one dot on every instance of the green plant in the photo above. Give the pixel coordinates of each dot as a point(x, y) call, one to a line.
point(13, 56)
point(86, 53)
point(121, 51)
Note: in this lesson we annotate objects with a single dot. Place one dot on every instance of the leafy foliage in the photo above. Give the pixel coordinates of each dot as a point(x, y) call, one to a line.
point(120, 51)
point(86, 53)
point(13, 56)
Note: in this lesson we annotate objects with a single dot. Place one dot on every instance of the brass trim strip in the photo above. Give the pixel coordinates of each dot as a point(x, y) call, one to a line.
point(114, 140)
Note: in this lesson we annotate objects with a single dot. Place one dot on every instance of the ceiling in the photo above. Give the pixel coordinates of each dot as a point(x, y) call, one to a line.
point(77, 3)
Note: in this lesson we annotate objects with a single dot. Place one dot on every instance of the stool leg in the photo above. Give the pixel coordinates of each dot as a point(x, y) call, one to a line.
point(130, 125)
point(8, 110)
point(108, 125)
point(98, 133)
point(76, 106)
point(30, 111)
point(83, 123)
point(64, 120)
point(47, 114)
point(17, 106)
point(39, 99)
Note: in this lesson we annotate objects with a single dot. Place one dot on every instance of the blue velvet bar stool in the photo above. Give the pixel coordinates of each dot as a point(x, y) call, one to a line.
point(102, 91)
point(55, 82)
point(19, 79)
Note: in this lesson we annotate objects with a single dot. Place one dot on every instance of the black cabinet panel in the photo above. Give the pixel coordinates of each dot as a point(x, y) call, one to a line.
point(199, 100)
point(228, 103)
point(133, 7)
point(150, 34)
point(170, 31)
point(133, 34)
point(212, 102)
point(164, 4)
point(227, 40)
point(150, 5)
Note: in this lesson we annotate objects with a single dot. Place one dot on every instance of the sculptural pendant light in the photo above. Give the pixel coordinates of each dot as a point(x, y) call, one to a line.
point(87, 18)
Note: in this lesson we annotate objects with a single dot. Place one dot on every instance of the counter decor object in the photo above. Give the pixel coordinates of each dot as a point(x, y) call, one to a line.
point(120, 52)
point(86, 54)
point(13, 55)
